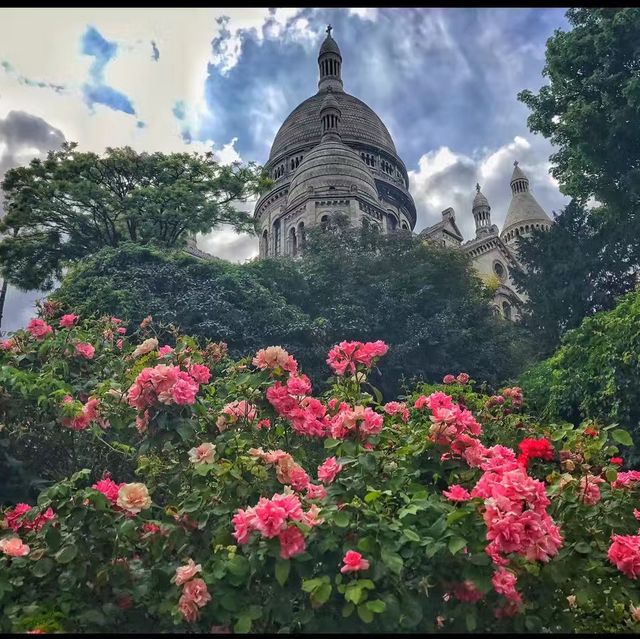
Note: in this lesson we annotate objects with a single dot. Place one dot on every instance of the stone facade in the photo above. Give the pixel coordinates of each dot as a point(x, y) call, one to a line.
point(331, 155)
point(495, 254)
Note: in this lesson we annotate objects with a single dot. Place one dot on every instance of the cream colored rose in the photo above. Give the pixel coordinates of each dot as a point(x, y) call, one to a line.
point(134, 497)
point(146, 347)
point(572, 601)
point(203, 454)
point(635, 612)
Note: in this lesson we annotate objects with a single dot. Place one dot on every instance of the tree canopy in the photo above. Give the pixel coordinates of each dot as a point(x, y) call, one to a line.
point(72, 204)
point(596, 371)
point(349, 284)
point(590, 111)
point(570, 271)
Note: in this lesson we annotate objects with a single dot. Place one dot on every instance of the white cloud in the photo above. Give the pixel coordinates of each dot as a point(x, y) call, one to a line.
point(364, 14)
point(445, 178)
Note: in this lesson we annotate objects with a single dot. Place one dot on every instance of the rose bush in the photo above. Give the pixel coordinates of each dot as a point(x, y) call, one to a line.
point(256, 505)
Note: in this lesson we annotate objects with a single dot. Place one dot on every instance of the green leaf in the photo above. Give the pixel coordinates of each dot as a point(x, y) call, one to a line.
point(622, 437)
point(322, 594)
point(365, 614)
point(411, 535)
point(42, 567)
point(353, 593)
point(372, 496)
point(66, 554)
point(309, 585)
point(377, 605)
point(341, 519)
point(611, 474)
point(392, 560)
point(348, 609)
point(470, 620)
point(243, 625)
point(238, 566)
point(583, 548)
point(456, 515)
point(283, 567)
point(456, 543)
point(331, 443)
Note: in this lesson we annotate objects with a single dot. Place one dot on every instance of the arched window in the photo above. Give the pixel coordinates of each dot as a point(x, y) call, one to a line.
point(324, 221)
point(405, 227)
point(276, 238)
point(302, 239)
point(265, 244)
point(506, 310)
point(392, 222)
point(293, 242)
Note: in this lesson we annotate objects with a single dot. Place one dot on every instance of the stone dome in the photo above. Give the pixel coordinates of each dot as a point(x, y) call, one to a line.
point(524, 209)
point(329, 46)
point(359, 124)
point(332, 164)
point(480, 199)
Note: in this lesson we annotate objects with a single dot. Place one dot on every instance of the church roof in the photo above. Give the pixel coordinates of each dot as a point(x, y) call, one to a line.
point(523, 207)
point(332, 164)
point(329, 46)
point(358, 123)
point(479, 199)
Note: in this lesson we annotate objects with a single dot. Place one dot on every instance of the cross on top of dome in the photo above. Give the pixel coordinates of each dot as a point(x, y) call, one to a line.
point(329, 28)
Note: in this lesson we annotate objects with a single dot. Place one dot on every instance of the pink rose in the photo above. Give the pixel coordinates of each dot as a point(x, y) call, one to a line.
point(200, 373)
point(39, 329)
point(328, 470)
point(184, 573)
point(353, 562)
point(448, 379)
point(291, 542)
point(203, 454)
point(165, 350)
point(457, 493)
point(188, 608)
point(13, 547)
point(463, 378)
point(85, 350)
point(196, 591)
point(67, 321)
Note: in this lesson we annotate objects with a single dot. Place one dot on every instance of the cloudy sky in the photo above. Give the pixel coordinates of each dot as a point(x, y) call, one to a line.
point(444, 81)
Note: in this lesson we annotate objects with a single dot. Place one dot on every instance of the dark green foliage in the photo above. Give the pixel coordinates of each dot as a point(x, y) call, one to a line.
point(572, 270)
point(596, 371)
point(590, 111)
point(72, 204)
point(423, 301)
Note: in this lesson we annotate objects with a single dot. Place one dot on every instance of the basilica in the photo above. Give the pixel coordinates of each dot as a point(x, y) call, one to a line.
point(334, 155)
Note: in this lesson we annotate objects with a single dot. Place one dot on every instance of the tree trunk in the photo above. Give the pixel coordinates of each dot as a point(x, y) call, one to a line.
point(3, 295)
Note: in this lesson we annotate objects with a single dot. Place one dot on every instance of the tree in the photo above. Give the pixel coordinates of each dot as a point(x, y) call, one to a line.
point(209, 298)
point(72, 204)
point(424, 301)
point(590, 111)
point(570, 271)
point(595, 373)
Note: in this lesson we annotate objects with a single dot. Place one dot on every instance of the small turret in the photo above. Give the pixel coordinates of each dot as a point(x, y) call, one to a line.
point(330, 64)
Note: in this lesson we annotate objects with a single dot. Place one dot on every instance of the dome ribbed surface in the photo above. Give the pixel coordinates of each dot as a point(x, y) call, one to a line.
point(358, 123)
point(480, 200)
point(329, 46)
point(332, 164)
point(524, 208)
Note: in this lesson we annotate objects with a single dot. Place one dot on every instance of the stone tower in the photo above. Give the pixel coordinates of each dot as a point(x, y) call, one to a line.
point(331, 155)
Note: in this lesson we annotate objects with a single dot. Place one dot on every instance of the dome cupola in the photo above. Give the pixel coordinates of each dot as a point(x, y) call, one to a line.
point(330, 64)
point(524, 213)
